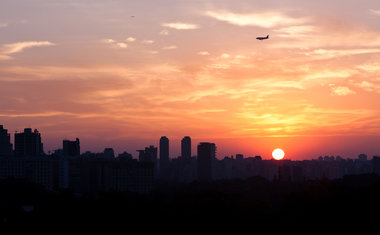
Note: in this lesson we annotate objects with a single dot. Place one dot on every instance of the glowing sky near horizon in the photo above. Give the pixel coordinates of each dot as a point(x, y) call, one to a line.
point(123, 73)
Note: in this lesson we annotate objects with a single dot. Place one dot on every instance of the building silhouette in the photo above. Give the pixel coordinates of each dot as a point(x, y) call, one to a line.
point(109, 153)
point(29, 163)
point(94, 172)
point(38, 169)
point(5, 143)
point(206, 156)
point(164, 156)
point(186, 147)
point(376, 164)
point(28, 143)
point(71, 148)
point(124, 156)
point(149, 154)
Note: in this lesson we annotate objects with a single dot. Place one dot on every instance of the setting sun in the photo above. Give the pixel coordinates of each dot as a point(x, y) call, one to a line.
point(278, 154)
point(120, 71)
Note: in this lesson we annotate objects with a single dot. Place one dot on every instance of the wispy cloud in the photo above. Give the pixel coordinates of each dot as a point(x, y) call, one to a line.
point(20, 46)
point(368, 86)
point(108, 41)
point(264, 20)
point(42, 114)
point(130, 39)
point(327, 54)
point(296, 31)
point(323, 74)
point(204, 53)
point(115, 44)
point(342, 91)
point(180, 26)
point(375, 12)
point(3, 25)
point(370, 67)
point(12, 48)
point(225, 56)
point(121, 45)
point(147, 41)
point(172, 47)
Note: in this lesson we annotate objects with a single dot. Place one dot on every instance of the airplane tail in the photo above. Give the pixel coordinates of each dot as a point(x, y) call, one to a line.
point(268, 36)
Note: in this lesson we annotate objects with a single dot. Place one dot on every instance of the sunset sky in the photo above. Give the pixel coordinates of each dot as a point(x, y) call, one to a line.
point(122, 73)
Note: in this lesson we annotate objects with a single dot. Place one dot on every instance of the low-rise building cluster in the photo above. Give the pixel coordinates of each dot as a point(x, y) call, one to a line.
point(88, 172)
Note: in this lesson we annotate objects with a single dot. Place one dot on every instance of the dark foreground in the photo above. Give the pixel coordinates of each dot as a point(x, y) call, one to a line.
point(353, 201)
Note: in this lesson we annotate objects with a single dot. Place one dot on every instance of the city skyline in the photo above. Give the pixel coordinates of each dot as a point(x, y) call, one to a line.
point(121, 74)
point(29, 143)
point(68, 168)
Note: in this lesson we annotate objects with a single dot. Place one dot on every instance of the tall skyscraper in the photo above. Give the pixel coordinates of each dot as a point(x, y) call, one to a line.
point(28, 143)
point(186, 147)
point(5, 143)
point(71, 148)
point(164, 154)
point(206, 155)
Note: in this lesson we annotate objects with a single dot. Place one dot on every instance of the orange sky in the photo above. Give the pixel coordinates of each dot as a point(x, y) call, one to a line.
point(121, 74)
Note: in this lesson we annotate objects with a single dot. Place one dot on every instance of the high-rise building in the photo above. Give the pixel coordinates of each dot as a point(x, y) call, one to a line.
point(5, 143)
point(28, 143)
point(164, 154)
point(71, 148)
point(362, 157)
point(109, 153)
point(239, 157)
point(186, 147)
point(206, 156)
point(148, 155)
point(376, 164)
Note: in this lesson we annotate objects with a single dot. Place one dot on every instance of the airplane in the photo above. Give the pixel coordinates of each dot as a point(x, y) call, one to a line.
point(262, 38)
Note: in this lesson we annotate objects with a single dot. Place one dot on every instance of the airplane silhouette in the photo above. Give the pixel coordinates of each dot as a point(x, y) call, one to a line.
point(262, 38)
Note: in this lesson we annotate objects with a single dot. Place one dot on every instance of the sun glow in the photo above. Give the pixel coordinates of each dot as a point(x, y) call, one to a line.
point(278, 154)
